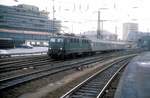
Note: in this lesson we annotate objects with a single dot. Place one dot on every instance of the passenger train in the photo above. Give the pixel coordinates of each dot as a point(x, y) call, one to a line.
point(63, 46)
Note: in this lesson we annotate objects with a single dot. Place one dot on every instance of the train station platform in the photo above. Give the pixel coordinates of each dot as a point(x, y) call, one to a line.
point(135, 82)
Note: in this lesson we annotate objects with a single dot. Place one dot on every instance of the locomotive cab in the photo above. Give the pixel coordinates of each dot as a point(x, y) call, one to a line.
point(56, 47)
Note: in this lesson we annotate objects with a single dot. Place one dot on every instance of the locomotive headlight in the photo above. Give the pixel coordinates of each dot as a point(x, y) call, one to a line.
point(60, 48)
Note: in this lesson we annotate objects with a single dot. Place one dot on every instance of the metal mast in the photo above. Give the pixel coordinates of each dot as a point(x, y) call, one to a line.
point(98, 26)
point(53, 21)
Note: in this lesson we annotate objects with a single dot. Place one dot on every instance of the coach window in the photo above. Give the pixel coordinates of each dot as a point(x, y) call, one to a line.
point(86, 41)
point(82, 41)
point(75, 40)
point(78, 40)
point(71, 40)
point(67, 40)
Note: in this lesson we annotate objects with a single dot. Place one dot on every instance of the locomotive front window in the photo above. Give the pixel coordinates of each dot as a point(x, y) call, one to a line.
point(52, 40)
point(59, 40)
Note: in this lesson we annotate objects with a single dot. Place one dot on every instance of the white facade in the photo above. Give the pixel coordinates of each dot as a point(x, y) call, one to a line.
point(129, 27)
point(105, 35)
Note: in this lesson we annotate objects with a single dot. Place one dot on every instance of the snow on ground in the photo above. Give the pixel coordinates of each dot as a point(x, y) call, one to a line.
point(24, 51)
point(27, 50)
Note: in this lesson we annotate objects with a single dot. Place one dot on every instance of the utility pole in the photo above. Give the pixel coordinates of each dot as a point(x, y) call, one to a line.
point(116, 30)
point(99, 34)
point(53, 21)
point(98, 26)
point(72, 28)
point(102, 22)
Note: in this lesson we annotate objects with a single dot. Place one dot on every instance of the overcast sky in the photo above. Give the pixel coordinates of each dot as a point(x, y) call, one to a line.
point(82, 14)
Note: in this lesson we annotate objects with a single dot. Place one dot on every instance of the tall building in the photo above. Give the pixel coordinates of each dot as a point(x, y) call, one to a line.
point(26, 23)
point(129, 27)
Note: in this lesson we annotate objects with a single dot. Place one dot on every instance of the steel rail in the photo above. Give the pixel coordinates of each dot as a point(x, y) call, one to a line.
point(26, 64)
point(17, 60)
point(87, 90)
point(109, 82)
point(10, 82)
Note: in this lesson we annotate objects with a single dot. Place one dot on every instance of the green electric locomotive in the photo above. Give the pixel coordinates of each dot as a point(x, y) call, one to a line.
point(64, 46)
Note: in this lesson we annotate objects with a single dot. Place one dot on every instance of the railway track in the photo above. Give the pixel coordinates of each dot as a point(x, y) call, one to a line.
point(110, 88)
point(20, 59)
point(32, 63)
point(22, 68)
point(28, 63)
point(59, 67)
point(95, 86)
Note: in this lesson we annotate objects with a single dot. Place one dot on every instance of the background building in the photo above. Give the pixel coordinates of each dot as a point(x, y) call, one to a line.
point(105, 35)
point(135, 36)
point(129, 27)
point(25, 23)
point(27, 17)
